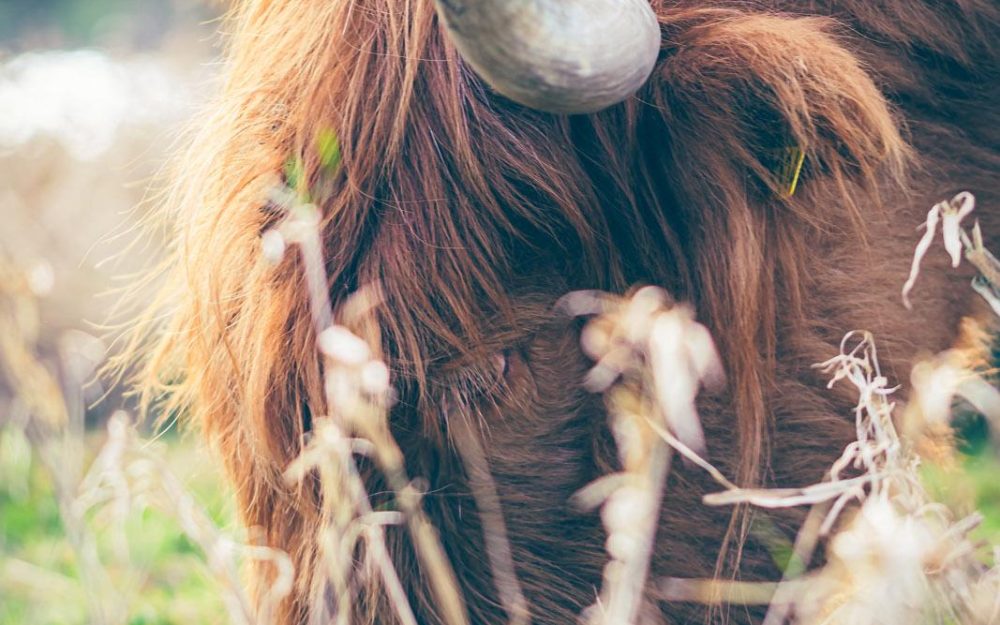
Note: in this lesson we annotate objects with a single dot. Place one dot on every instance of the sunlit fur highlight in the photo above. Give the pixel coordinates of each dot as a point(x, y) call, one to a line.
point(472, 215)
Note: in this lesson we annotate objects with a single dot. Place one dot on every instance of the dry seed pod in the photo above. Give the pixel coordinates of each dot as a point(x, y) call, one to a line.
point(559, 56)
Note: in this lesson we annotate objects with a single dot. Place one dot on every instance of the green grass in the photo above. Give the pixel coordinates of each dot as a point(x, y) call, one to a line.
point(166, 581)
point(984, 475)
point(974, 485)
point(163, 582)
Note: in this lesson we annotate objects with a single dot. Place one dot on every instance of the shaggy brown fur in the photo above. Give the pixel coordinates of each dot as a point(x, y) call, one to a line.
point(474, 214)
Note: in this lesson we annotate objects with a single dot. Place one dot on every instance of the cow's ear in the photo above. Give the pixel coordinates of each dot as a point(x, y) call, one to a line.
point(770, 104)
point(747, 104)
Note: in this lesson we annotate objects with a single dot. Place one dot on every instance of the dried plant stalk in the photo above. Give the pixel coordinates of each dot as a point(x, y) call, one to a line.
point(651, 360)
point(490, 511)
point(358, 396)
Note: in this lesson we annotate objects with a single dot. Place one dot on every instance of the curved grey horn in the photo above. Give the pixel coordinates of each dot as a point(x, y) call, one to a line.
point(561, 56)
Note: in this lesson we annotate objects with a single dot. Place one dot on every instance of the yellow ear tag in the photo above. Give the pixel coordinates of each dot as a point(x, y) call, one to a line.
point(790, 169)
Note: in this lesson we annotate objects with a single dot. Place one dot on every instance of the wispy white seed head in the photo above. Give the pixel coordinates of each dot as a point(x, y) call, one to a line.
point(623, 507)
point(272, 245)
point(375, 377)
point(344, 346)
point(596, 339)
point(307, 214)
point(42, 278)
point(623, 545)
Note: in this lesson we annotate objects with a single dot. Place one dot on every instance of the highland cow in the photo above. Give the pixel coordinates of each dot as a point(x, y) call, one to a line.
point(471, 214)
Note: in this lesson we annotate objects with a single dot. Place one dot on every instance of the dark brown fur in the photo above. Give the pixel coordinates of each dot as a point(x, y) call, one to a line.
point(474, 215)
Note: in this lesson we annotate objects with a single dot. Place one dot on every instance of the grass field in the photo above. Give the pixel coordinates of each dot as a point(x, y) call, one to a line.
point(163, 578)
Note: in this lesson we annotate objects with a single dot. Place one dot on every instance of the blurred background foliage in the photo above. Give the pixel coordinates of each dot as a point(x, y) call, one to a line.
point(93, 93)
point(136, 24)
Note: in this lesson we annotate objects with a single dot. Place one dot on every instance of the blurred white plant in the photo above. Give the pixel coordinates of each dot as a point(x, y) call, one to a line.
point(899, 557)
point(937, 382)
point(956, 242)
point(129, 475)
point(651, 358)
point(648, 335)
point(358, 396)
point(878, 571)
